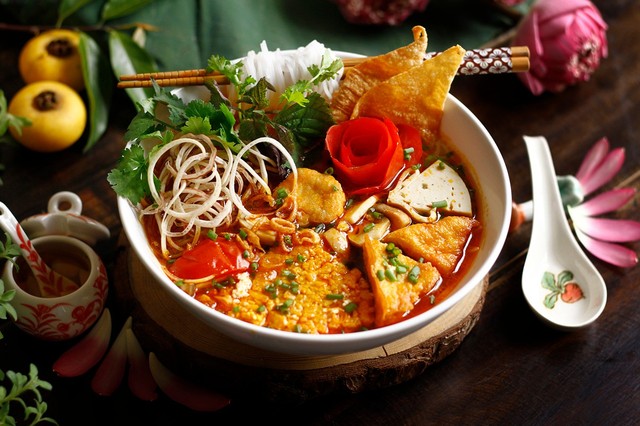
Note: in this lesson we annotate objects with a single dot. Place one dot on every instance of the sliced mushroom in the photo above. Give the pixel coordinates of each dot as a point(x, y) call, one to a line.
point(337, 240)
point(377, 232)
point(359, 209)
point(399, 219)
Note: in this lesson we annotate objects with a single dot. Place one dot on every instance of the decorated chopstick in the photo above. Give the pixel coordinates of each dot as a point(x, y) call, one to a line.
point(496, 60)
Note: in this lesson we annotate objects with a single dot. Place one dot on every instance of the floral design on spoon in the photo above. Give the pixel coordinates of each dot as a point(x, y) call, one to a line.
point(568, 290)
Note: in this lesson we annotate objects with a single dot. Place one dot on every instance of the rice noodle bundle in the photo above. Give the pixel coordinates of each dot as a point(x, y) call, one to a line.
point(201, 186)
point(284, 68)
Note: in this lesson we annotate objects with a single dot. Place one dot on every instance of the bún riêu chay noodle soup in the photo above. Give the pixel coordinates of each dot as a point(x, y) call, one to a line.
point(312, 201)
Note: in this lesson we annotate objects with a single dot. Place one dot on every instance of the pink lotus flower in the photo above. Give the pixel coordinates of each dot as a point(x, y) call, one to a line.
point(566, 39)
point(600, 235)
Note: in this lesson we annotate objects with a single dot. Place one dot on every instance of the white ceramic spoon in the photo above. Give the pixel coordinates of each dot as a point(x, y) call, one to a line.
point(50, 283)
point(559, 282)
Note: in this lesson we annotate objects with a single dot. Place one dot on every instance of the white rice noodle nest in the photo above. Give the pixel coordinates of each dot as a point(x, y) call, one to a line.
point(284, 68)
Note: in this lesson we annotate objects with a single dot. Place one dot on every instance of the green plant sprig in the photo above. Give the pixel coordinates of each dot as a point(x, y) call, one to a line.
point(25, 391)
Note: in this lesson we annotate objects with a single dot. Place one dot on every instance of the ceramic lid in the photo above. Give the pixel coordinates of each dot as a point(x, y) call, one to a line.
point(64, 218)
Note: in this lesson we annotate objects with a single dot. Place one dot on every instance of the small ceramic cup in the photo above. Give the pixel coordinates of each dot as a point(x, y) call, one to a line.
point(62, 317)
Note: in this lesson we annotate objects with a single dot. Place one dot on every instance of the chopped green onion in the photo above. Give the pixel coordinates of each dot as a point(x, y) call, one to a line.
point(334, 296)
point(350, 307)
point(413, 275)
point(261, 308)
point(180, 283)
point(408, 152)
point(439, 204)
point(380, 274)
point(390, 275)
point(242, 233)
point(212, 235)
point(301, 258)
point(368, 227)
point(227, 236)
point(329, 170)
point(349, 203)
point(246, 254)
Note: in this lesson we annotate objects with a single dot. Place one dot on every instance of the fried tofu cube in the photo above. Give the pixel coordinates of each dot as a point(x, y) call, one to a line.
point(397, 281)
point(442, 243)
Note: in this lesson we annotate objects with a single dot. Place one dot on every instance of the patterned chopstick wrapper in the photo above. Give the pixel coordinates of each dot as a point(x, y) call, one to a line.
point(484, 61)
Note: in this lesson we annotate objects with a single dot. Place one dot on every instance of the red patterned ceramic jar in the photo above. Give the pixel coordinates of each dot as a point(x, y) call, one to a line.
point(66, 316)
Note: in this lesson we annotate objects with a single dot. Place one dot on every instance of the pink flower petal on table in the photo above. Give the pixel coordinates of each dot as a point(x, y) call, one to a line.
point(605, 172)
point(85, 354)
point(592, 160)
point(109, 374)
point(614, 254)
point(612, 230)
point(139, 379)
point(184, 392)
point(605, 202)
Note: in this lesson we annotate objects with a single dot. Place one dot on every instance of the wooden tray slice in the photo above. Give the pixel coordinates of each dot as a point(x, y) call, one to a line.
point(191, 347)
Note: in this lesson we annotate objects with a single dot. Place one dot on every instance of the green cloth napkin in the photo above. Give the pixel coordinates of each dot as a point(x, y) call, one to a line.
point(189, 32)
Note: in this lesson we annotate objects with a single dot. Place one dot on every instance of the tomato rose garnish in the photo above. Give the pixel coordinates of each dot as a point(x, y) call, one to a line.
point(368, 153)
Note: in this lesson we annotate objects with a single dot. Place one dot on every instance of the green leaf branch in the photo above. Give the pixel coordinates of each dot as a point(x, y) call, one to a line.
point(25, 391)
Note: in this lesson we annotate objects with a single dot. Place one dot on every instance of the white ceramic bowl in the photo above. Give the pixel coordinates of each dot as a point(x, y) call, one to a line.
point(469, 138)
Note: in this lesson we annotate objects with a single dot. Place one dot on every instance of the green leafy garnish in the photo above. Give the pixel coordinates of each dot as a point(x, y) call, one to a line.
point(25, 391)
point(129, 179)
point(299, 122)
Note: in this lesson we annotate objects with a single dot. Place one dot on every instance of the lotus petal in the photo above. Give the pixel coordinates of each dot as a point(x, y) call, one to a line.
point(614, 254)
point(604, 203)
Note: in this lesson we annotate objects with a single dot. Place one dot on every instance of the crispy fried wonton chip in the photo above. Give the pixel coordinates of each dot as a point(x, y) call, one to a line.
point(395, 295)
point(372, 71)
point(415, 97)
point(441, 243)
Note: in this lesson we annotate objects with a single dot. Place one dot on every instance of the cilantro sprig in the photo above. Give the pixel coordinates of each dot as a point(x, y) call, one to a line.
point(299, 122)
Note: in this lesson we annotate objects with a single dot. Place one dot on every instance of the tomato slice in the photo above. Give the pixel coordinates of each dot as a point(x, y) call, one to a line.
point(211, 258)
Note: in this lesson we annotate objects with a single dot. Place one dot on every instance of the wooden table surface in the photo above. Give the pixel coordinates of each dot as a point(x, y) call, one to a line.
point(511, 369)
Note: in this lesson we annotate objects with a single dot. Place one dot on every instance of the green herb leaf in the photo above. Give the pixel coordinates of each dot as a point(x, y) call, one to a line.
point(127, 57)
point(25, 392)
point(308, 122)
point(99, 87)
point(129, 178)
point(197, 126)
